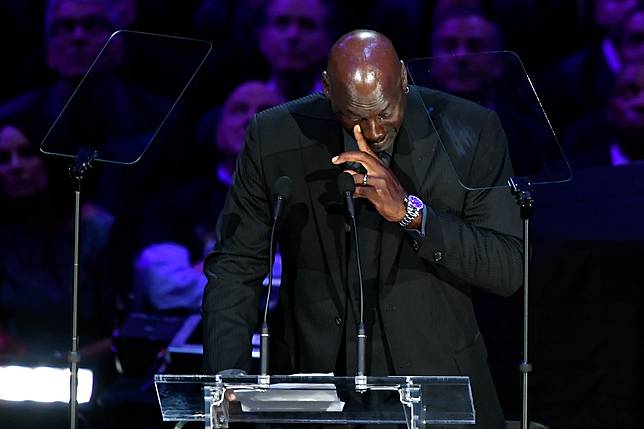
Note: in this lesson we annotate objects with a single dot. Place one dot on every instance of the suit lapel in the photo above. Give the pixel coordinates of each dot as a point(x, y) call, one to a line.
point(414, 150)
point(422, 139)
point(320, 175)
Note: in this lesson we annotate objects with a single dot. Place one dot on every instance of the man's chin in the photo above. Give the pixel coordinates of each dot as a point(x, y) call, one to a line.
point(382, 145)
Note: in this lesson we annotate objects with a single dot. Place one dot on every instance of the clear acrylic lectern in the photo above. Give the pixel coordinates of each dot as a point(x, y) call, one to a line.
point(316, 399)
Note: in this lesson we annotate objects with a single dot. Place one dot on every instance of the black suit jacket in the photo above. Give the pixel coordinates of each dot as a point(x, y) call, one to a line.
point(472, 239)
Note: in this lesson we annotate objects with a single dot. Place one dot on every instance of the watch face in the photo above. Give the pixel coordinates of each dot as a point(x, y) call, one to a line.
point(416, 202)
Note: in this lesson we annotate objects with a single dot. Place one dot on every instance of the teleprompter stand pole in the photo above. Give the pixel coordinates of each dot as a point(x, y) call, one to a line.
point(521, 188)
point(77, 169)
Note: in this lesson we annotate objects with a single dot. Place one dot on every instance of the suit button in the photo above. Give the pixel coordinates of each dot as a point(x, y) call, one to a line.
point(338, 321)
point(415, 245)
point(438, 256)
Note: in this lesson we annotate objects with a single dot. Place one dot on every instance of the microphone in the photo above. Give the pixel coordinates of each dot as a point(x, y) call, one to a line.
point(282, 190)
point(347, 186)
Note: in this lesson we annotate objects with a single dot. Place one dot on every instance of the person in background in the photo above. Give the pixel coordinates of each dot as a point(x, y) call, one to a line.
point(613, 135)
point(581, 82)
point(461, 36)
point(631, 40)
point(36, 242)
point(180, 225)
point(294, 36)
point(111, 115)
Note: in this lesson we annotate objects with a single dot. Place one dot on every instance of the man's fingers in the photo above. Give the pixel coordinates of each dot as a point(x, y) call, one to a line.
point(362, 143)
point(365, 192)
point(368, 161)
point(371, 180)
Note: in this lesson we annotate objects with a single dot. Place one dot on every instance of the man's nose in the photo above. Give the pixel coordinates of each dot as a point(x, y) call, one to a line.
point(293, 32)
point(461, 50)
point(372, 130)
point(80, 32)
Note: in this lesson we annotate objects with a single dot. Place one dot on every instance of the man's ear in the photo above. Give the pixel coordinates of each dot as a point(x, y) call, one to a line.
point(403, 75)
point(325, 83)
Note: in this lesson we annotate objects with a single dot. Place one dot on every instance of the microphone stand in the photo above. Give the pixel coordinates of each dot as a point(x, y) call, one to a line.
point(281, 187)
point(264, 338)
point(347, 186)
point(521, 187)
point(77, 169)
point(360, 379)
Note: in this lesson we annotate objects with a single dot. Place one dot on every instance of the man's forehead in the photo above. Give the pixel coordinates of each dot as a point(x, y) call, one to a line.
point(71, 8)
point(466, 26)
point(312, 9)
point(364, 100)
point(11, 136)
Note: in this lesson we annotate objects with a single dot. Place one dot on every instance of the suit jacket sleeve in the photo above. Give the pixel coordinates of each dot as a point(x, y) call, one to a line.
point(481, 244)
point(238, 264)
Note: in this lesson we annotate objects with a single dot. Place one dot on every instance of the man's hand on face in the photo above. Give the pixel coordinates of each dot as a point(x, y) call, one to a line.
point(382, 188)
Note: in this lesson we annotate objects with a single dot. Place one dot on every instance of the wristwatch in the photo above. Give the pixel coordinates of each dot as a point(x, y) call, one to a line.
point(414, 206)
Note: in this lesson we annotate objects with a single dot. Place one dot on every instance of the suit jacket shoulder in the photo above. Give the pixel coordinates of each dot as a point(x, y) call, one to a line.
point(295, 125)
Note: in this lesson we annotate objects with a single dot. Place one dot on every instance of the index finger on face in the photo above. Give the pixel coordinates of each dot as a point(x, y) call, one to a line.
point(362, 143)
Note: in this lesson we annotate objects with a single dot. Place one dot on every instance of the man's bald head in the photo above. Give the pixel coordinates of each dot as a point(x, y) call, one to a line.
point(366, 82)
point(362, 60)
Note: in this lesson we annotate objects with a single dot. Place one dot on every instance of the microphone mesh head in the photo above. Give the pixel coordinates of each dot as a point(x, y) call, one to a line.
point(282, 186)
point(346, 183)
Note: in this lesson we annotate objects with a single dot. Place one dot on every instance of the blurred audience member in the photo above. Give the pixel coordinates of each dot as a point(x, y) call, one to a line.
point(294, 37)
point(459, 36)
point(36, 242)
point(76, 30)
point(613, 135)
point(179, 227)
point(109, 115)
point(463, 31)
point(581, 82)
point(631, 45)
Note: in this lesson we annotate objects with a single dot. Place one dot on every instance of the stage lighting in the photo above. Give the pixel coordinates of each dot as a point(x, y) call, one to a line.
point(42, 384)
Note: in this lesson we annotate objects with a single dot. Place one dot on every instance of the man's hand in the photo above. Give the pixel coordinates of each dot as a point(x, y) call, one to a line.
point(382, 188)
